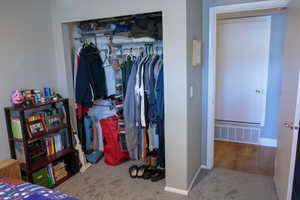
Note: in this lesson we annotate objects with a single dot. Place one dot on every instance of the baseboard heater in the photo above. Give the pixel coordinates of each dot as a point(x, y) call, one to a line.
point(237, 132)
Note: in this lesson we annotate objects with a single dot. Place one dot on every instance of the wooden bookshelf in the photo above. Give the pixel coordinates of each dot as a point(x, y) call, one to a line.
point(30, 166)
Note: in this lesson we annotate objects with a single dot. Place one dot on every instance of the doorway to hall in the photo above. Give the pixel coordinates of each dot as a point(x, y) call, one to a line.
point(247, 92)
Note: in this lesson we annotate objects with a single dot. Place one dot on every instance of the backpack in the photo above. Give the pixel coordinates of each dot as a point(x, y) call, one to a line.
point(112, 149)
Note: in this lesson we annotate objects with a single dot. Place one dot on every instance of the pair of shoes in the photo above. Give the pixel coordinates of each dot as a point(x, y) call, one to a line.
point(141, 171)
point(145, 172)
point(158, 175)
point(137, 172)
point(133, 171)
point(154, 174)
point(149, 172)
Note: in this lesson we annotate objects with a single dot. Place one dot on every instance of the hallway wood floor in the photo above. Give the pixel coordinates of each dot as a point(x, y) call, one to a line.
point(245, 158)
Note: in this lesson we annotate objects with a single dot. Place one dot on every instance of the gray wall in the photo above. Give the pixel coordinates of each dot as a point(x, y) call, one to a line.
point(26, 53)
point(175, 65)
point(194, 15)
point(271, 129)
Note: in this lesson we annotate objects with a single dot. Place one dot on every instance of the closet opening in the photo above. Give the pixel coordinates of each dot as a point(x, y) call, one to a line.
point(247, 90)
point(116, 70)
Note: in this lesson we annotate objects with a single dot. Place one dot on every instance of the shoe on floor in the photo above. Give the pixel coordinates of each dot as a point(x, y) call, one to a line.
point(159, 175)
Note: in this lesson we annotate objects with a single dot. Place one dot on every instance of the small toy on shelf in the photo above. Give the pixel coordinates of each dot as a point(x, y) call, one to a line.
point(17, 98)
point(31, 97)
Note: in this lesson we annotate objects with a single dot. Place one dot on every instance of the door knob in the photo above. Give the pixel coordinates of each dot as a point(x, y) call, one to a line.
point(259, 91)
point(291, 126)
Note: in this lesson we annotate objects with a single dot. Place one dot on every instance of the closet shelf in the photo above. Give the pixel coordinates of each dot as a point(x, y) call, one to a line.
point(136, 43)
point(43, 162)
point(94, 33)
point(124, 43)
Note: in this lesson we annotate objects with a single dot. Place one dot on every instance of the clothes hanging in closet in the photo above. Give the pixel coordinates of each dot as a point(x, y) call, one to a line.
point(126, 70)
point(90, 79)
point(129, 109)
point(144, 105)
point(160, 116)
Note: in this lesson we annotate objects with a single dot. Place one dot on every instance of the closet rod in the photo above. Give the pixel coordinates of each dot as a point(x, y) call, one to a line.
point(127, 17)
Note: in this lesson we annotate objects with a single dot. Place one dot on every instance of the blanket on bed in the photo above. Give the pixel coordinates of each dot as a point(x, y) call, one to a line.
point(11, 189)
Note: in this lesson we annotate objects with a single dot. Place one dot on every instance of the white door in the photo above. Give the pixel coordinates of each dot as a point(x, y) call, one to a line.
point(242, 69)
point(290, 106)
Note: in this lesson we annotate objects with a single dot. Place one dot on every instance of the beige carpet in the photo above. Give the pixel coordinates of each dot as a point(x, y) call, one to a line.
point(102, 182)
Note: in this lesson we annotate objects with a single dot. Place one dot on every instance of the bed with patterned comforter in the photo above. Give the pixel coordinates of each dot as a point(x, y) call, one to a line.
point(12, 189)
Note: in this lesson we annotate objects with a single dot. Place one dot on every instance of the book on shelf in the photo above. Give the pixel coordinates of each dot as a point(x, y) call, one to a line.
point(56, 142)
point(16, 128)
point(56, 172)
point(51, 175)
point(50, 146)
point(43, 121)
point(60, 171)
point(20, 152)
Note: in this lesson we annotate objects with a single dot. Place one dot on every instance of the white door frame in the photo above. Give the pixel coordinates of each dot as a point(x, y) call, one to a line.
point(213, 12)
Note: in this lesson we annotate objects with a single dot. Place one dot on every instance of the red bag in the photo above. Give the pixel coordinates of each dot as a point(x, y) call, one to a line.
point(112, 149)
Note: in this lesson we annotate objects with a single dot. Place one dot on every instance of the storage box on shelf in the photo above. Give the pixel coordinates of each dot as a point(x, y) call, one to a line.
point(40, 137)
point(10, 168)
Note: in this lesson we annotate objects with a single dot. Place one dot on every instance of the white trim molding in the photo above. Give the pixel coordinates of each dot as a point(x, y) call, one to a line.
point(177, 191)
point(205, 167)
point(194, 179)
point(185, 192)
point(213, 12)
point(268, 142)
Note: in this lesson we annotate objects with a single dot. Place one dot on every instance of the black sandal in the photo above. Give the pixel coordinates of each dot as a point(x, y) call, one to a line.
point(159, 175)
point(133, 171)
point(149, 173)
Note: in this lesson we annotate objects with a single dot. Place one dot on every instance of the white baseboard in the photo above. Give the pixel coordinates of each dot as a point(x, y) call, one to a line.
point(194, 179)
point(177, 191)
point(205, 167)
point(181, 191)
point(267, 142)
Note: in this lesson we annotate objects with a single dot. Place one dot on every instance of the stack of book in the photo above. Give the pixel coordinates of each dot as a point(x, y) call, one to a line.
point(56, 142)
point(60, 171)
point(56, 172)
